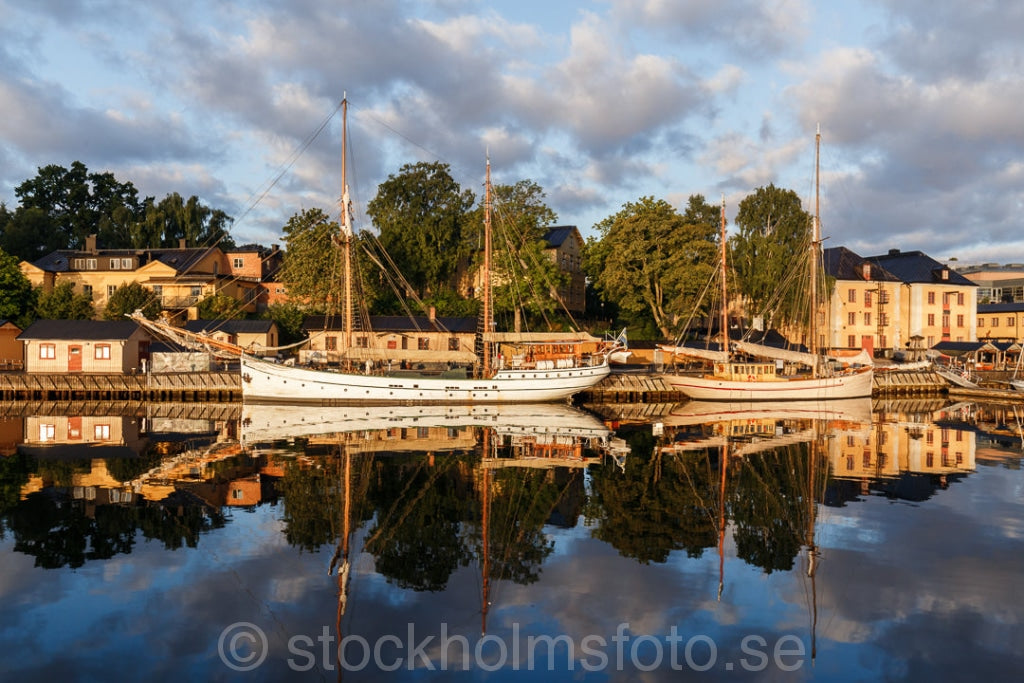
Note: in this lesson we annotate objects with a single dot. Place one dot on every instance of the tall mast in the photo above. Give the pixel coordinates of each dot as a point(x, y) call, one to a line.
point(486, 273)
point(724, 322)
point(346, 228)
point(815, 241)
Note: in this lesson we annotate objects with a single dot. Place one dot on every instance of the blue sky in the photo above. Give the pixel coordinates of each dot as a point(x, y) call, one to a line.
point(599, 102)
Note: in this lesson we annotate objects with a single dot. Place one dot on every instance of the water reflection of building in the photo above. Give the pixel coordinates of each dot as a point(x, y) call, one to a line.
point(889, 449)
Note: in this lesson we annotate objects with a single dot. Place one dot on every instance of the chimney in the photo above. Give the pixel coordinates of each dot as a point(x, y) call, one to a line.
point(894, 252)
point(90, 243)
point(181, 243)
point(433, 314)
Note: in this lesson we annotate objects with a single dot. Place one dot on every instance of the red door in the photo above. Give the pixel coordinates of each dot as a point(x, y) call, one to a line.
point(75, 358)
point(867, 342)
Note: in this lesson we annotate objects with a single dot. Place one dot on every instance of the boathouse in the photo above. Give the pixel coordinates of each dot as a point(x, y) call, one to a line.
point(12, 352)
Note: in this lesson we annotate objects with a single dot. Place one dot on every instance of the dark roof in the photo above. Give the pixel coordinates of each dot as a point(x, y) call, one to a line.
point(395, 323)
point(1004, 307)
point(9, 322)
point(179, 259)
point(557, 234)
point(916, 266)
point(80, 329)
point(230, 326)
point(953, 348)
point(843, 264)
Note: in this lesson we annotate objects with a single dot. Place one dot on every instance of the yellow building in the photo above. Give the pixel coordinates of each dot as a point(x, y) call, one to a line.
point(180, 277)
point(866, 304)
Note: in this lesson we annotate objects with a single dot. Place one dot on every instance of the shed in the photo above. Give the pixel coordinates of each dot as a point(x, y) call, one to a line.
point(86, 346)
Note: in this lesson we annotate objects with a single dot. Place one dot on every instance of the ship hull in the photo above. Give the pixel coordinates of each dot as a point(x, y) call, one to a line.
point(272, 382)
point(857, 384)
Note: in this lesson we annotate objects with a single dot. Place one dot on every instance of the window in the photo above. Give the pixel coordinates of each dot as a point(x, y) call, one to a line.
point(1009, 322)
point(423, 343)
point(90, 264)
point(959, 321)
point(48, 351)
point(361, 342)
point(931, 319)
point(931, 298)
point(115, 264)
point(851, 296)
point(945, 319)
point(867, 299)
point(883, 341)
point(87, 290)
point(995, 321)
point(392, 343)
point(981, 322)
point(102, 351)
point(883, 297)
point(851, 341)
point(331, 343)
point(78, 264)
point(101, 432)
point(110, 290)
point(960, 298)
point(195, 290)
point(867, 317)
point(237, 494)
point(851, 318)
point(453, 343)
point(883, 319)
point(47, 432)
point(158, 290)
point(238, 262)
point(405, 342)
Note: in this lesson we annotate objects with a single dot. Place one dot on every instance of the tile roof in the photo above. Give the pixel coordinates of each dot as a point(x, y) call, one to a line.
point(80, 329)
point(843, 264)
point(395, 323)
point(916, 266)
point(230, 326)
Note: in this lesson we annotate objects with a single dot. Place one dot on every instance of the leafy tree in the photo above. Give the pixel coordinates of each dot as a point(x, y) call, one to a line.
point(129, 297)
point(219, 307)
point(653, 262)
point(165, 223)
point(29, 234)
point(524, 277)
point(421, 215)
point(769, 254)
point(77, 203)
point(289, 318)
point(62, 303)
point(17, 297)
point(311, 265)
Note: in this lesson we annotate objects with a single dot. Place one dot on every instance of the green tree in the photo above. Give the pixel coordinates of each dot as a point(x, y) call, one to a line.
point(62, 303)
point(526, 278)
point(769, 255)
point(219, 307)
point(130, 297)
point(78, 203)
point(17, 297)
point(653, 262)
point(311, 264)
point(289, 318)
point(421, 215)
point(173, 218)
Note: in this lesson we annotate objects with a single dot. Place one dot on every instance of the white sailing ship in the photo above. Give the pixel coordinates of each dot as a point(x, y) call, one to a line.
point(759, 375)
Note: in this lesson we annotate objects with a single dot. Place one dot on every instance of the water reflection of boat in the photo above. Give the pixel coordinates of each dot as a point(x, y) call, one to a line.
point(854, 410)
point(266, 422)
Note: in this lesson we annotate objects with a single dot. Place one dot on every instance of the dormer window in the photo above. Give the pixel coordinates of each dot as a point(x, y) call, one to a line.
point(866, 271)
point(945, 273)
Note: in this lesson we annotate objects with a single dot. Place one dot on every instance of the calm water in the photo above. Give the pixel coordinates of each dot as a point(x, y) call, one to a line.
point(647, 543)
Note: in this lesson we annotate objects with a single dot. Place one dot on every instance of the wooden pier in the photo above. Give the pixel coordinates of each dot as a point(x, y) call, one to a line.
point(186, 387)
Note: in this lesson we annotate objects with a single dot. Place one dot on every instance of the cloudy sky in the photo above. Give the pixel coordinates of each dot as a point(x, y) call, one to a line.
point(599, 102)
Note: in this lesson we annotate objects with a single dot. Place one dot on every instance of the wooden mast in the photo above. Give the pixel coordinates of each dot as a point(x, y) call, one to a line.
point(724, 321)
point(486, 274)
point(346, 228)
point(815, 241)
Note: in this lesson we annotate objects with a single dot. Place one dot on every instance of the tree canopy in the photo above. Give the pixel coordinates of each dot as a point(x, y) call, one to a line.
point(422, 214)
point(129, 297)
point(652, 261)
point(17, 297)
point(62, 303)
point(769, 254)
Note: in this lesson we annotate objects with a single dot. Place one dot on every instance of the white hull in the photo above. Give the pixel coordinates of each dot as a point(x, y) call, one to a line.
point(271, 382)
point(272, 422)
point(1017, 384)
point(853, 410)
point(853, 385)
